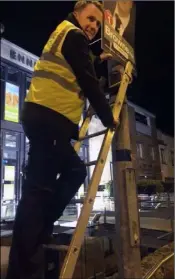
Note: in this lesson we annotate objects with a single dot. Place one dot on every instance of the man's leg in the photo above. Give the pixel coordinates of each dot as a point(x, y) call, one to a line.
point(71, 178)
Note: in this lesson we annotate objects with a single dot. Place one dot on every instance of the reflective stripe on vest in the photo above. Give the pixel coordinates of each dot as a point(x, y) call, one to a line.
point(60, 80)
point(47, 56)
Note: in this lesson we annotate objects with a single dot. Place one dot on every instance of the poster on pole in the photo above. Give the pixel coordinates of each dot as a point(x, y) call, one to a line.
point(118, 35)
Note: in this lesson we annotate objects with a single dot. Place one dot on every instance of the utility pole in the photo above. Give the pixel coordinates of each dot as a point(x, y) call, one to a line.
point(126, 207)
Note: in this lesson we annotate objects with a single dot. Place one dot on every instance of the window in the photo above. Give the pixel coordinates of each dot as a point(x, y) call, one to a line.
point(172, 158)
point(2, 88)
point(13, 75)
point(11, 112)
point(142, 118)
point(26, 148)
point(80, 153)
point(2, 72)
point(10, 154)
point(10, 140)
point(153, 153)
point(86, 150)
point(162, 155)
point(28, 81)
point(140, 150)
point(83, 152)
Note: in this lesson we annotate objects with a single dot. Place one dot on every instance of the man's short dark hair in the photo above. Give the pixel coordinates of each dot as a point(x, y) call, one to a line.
point(81, 4)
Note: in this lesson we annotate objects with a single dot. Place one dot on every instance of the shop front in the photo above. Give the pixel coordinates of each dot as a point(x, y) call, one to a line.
point(10, 172)
point(16, 71)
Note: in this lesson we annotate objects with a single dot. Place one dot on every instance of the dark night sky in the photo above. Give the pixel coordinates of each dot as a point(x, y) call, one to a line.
point(29, 24)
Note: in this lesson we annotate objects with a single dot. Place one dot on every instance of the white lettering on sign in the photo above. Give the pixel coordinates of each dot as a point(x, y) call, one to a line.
point(118, 42)
point(17, 55)
point(119, 49)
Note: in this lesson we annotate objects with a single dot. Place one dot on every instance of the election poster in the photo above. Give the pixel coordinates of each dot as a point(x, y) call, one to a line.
point(118, 35)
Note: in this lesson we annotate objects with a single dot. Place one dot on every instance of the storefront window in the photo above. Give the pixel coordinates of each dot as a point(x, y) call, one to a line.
point(9, 178)
point(13, 75)
point(28, 81)
point(11, 112)
point(2, 72)
point(10, 154)
point(80, 153)
point(10, 140)
point(2, 77)
point(26, 149)
point(10, 175)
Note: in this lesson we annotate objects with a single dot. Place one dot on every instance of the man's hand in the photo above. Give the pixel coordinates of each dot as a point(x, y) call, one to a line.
point(105, 56)
point(121, 69)
point(118, 68)
point(114, 126)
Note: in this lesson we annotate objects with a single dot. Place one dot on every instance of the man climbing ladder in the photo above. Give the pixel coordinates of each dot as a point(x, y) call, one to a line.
point(127, 220)
point(63, 78)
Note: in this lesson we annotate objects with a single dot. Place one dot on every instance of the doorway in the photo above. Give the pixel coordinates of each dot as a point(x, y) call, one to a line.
point(10, 181)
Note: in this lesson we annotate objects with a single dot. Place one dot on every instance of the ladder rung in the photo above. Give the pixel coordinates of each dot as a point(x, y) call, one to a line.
point(56, 247)
point(92, 163)
point(93, 135)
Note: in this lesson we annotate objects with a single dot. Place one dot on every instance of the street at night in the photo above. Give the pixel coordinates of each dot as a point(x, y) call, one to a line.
point(87, 139)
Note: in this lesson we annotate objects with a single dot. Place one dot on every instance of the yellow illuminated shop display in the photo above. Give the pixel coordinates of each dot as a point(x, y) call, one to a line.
point(11, 102)
point(9, 175)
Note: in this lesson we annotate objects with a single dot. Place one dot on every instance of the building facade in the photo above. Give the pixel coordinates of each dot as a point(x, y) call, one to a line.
point(144, 145)
point(166, 153)
point(16, 71)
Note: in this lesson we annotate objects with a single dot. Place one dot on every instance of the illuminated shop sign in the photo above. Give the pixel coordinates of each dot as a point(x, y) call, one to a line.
point(17, 55)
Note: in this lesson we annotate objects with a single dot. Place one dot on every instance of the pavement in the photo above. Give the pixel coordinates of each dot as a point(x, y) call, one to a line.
point(4, 260)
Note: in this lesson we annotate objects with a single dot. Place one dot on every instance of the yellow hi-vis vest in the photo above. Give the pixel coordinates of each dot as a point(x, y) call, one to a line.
point(54, 84)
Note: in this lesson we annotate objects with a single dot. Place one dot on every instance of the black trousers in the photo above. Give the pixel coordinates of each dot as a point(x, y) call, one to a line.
point(44, 197)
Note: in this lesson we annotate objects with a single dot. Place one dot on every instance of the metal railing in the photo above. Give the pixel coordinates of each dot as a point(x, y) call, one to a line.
point(154, 269)
point(8, 209)
point(102, 204)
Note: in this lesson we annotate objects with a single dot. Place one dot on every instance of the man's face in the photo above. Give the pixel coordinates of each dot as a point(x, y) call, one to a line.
point(125, 6)
point(90, 19)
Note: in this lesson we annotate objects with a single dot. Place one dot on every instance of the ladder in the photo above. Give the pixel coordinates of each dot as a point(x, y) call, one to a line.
point(73, 250)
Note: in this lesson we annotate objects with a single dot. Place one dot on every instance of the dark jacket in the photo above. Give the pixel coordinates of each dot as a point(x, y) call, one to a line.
point(77, 53)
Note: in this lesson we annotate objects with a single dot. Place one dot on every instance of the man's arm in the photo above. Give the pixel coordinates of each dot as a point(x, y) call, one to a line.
point(100, 64)
point(76, 52)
